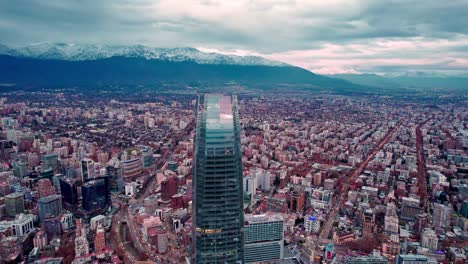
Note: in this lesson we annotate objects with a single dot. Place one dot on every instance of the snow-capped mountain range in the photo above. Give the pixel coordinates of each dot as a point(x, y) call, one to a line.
point(75, 52)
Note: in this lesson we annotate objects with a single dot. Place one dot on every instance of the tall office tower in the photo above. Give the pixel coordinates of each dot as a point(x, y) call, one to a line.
point(69, 192)
point(217, 183)
point(87, 169)
point(464, 209)
point(50, 206)
point(14, 204)
point(263, 238)
point(95, 194)
point(147, 156)
point(115, 173)
point(20, 168)
point(368, 223)
point(45, 188)
point(50, 161)
point(442, 216)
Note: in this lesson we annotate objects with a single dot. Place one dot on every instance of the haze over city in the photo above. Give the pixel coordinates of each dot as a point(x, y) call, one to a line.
point(206, 132)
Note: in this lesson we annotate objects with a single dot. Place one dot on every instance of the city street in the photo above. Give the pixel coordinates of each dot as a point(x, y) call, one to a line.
point(323, 237)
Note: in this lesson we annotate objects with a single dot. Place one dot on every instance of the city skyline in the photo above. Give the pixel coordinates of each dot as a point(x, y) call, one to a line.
point(233, 132)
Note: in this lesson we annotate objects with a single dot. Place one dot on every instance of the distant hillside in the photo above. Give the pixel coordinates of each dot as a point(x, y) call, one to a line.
point(136, 70)
point(367, 79)
point(406, 81)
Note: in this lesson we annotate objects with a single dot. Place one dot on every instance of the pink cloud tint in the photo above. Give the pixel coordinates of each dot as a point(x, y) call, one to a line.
point(364, 57)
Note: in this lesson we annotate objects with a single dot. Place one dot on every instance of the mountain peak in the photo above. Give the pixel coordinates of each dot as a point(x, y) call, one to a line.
point(78, 52)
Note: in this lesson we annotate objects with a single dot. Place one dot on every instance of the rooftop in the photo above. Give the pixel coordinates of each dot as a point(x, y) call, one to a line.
point(218, 112)
point(262, 218)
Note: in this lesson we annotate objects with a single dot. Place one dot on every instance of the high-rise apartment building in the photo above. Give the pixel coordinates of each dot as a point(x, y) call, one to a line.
point(99, 240)
point(368, 223)
point(217, 183)
point(442, 216)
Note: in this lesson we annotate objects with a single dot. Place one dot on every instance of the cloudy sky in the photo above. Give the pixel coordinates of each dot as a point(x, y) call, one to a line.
point(331, 36)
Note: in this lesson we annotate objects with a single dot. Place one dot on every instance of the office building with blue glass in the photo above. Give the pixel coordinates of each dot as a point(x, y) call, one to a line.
point(50, 207)
point(95, 194)
point(218, 218)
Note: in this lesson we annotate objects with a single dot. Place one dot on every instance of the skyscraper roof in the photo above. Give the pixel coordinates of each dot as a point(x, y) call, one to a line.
point(218, 112)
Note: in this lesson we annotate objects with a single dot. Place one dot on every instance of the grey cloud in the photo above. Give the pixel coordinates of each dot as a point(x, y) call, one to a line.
point(267, 26)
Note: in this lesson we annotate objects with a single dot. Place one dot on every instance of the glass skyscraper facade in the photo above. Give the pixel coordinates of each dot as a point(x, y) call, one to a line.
point(95, 194)
point(217, 182)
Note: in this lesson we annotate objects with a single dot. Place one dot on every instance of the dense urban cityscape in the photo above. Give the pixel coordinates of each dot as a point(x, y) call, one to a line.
point(233, 132)
point(327, 178)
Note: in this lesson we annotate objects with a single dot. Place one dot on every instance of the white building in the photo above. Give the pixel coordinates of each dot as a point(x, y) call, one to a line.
point(130, 188)
point(263, 237)
point(67, 221)
point(442, 216)
point(311, 224)
point(96, 221)
point(429, 239)
point(22, 225)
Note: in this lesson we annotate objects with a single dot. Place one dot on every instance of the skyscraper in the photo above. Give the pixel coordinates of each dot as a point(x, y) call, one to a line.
point(87, 169)
point(50, 206)
point(69, 192)
point(95, 194)
point(217, 185)
point(14, 203)
point(441, 216)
